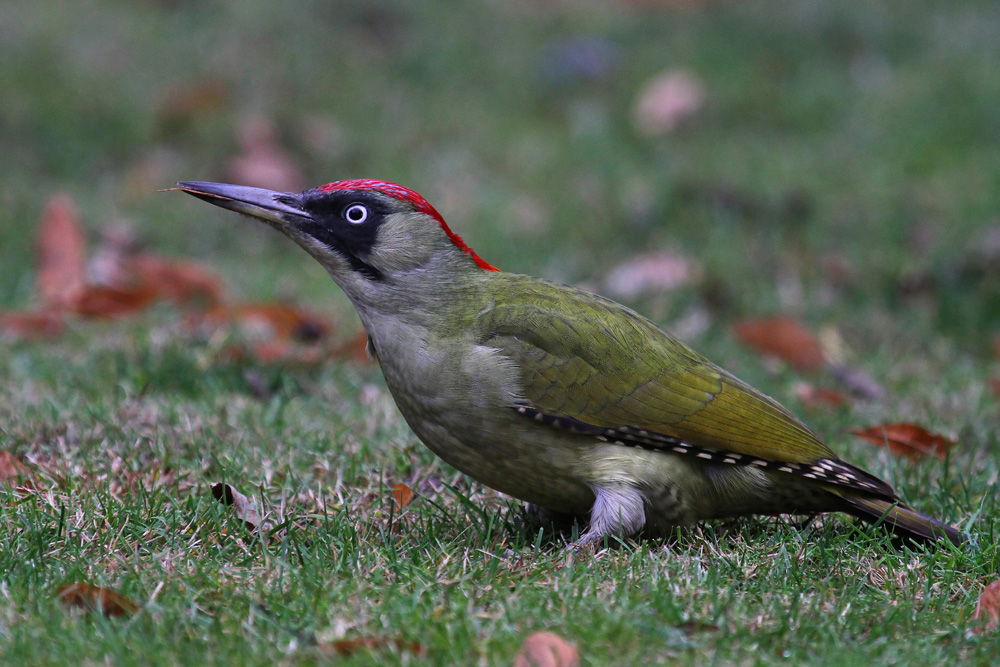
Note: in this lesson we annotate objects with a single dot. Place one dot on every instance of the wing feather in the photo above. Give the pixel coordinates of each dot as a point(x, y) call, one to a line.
point(583, 357)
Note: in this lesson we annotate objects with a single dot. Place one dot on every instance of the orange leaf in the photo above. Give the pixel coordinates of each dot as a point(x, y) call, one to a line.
point(62, 253)
point(988, 608)
point(270, 320)
point(38, 324)
point(784, 338)
point(345, 647)
point(545, 649)
point(178, 282)
point(11, 467)
point(96, 598)
point(108, 302)
point(907, 440)
point(402, 494)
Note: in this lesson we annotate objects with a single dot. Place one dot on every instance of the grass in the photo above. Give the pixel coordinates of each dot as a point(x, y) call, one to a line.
point(858, 137)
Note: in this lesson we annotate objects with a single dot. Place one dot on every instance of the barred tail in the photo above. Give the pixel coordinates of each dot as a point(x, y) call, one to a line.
point(902, 520)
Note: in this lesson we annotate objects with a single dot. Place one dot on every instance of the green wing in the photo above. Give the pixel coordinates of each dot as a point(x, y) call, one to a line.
point(594, 361)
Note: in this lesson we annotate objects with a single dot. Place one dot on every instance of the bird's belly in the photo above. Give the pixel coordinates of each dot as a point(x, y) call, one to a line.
point(460, 409)
point(535, 468)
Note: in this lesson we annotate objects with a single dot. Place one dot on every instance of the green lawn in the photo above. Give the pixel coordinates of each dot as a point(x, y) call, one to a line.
point(844, 170)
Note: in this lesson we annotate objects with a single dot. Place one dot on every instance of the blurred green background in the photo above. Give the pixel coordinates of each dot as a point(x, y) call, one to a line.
point(844, 163)
point(835, 162)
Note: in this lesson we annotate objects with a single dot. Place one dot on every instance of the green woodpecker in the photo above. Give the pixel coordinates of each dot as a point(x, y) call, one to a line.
point(554, 395)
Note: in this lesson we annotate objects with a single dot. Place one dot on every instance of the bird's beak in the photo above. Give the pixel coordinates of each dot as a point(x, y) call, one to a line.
point(279, 209)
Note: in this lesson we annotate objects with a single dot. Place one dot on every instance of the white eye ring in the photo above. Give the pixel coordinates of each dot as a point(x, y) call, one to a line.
point(356, 214)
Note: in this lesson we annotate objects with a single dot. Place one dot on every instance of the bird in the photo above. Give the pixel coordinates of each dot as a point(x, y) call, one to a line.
point(561, 398)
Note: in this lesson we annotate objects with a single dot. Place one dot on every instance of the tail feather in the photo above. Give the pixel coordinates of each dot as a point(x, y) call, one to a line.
point(902, 520)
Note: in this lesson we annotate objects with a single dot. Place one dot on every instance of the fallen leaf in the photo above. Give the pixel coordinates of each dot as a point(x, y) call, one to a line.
point(994, 383)
point(96, 598)
point(346, 647)
point(783, 338)
point(545, 649)
point(117, 263)
point(12, 468)
point(651, 272)
point(267, 321)
point(62, 253)
point(246, 509)
point(667, 100)
point(402, 494)
point(988, 608)
point(105, 301)
point(32, 325)
point(815, 398)
point(906, 439)
point(179, 282)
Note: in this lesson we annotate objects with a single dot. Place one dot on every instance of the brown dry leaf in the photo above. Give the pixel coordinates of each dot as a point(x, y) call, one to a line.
point(651, 272)
point(245, 509)
point(177, 281)
point(12, 468)
point(117, 263)
point(546, 649)
point(268, 320)
point(994, 383)
point(105, 301)
point(784, 338)
point(346, 647)
point(62, 253)
point(906, 439)
point(402, 494)
point(815, 398)
point(988, 608)
point(32, 325)
point(96, 598)
point(666, 101)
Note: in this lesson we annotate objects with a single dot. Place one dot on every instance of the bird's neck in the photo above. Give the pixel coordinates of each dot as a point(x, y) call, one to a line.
point(430, 296)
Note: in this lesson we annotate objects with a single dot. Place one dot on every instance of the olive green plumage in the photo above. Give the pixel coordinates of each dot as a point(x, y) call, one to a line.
point(554, 395)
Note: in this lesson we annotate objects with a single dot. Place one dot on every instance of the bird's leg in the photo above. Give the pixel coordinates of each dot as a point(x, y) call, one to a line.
point(619, 511)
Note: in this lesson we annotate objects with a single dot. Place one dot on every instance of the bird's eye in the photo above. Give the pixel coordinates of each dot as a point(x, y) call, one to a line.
point(356, 214)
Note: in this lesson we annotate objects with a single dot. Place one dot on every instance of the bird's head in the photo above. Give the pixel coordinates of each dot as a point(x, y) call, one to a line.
point(359, 230)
